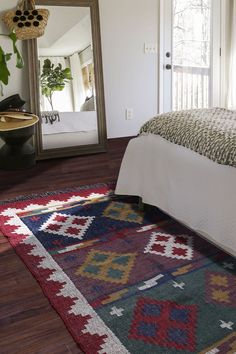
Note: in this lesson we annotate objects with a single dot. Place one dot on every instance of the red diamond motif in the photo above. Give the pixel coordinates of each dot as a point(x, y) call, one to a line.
point(67, 225)
point(165, 323)
point(179, 252)
point(54, 227)
point(79, 222)
point(158, 248)
point(181, 240)
point(60, 218)
point(72, 231)
point(171, 246)
point(162, 238)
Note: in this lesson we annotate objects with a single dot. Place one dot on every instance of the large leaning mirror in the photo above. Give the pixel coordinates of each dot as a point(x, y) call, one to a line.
point(66, 81)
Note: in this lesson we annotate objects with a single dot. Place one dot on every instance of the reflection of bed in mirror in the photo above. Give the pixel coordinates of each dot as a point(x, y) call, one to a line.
point(79, 89)
point(70, 128)
point(67, 102)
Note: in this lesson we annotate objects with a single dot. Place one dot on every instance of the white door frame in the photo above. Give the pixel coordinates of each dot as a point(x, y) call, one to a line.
point(217, 58)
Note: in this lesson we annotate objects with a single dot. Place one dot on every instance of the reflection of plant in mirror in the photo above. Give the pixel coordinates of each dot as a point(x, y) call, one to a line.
point(5, 57)
point(53, 78)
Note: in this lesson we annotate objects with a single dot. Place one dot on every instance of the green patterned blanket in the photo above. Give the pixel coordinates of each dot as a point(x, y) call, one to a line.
point(209, 132)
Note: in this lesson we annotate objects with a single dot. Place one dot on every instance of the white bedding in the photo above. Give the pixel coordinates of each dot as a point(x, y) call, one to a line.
point(55, 141)
point(71, 122)
point(191, 188)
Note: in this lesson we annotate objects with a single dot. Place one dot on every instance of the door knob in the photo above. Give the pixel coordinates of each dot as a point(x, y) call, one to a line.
point(168, 67)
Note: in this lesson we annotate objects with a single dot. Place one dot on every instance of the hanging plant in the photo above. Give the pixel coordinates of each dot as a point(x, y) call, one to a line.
point(5, 58)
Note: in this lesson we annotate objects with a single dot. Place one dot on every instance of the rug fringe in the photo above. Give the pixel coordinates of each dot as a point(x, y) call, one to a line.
point(20, 198)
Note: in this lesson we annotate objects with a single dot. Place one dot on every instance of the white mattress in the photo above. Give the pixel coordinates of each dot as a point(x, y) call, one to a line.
point(71, 122)
point(54, 141)
point(191, 188)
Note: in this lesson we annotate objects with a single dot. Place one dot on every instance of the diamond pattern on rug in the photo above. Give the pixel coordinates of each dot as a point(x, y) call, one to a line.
point(171, 246)
point(226, 346)
point(123, 300)
point(165, 323)
point(108, 266)
point(67, 225)
point(123, 212)
point(220, 289)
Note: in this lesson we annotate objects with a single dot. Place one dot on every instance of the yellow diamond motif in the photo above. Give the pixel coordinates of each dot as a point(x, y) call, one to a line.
point(123, 212)
point(221, 296)
point(219, 280)
point(108, 266)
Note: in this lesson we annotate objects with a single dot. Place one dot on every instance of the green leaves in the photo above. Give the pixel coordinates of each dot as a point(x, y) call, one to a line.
point(19, 59)
point(67, 73)
point(5, 57)
point(4, 72)
point(53, 78)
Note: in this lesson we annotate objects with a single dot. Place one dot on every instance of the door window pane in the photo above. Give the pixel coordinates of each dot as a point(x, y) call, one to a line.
point(191, 54)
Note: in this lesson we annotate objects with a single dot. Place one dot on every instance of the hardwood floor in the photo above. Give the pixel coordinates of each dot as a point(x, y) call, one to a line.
point(28, 324)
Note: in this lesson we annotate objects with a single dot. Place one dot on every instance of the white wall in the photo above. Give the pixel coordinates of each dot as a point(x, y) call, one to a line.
point(18, 82)
point(130, 76)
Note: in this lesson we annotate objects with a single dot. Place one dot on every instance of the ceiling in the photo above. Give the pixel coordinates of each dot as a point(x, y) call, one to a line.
point(68, 31)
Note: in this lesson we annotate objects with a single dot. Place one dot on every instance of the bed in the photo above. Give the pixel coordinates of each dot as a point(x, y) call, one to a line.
point(188, 186)
point(69, 129)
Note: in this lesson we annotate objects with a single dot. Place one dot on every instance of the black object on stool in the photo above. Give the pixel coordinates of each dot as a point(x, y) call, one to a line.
point(11, 102)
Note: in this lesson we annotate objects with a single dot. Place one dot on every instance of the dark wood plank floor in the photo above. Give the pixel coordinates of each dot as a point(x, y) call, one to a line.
point(28, 324)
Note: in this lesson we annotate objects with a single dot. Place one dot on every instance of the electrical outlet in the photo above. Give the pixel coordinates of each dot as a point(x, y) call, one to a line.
point(129, 113)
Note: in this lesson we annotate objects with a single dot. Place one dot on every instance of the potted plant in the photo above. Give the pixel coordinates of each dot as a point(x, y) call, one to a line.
point(4, 59)
point(53, 78)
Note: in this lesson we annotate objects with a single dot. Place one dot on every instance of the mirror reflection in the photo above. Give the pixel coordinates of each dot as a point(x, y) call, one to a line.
point(67, 80)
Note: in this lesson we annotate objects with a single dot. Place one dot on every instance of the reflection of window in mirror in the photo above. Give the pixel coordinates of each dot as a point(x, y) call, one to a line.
point(86, 59)
point(67, 82)
point(72, 118)
point(67, 51)
point(53, 89)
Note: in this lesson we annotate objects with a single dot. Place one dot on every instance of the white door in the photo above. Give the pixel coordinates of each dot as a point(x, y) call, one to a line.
point(190, 54)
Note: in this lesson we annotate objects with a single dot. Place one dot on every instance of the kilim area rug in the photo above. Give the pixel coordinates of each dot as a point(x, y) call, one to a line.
point(125, 281)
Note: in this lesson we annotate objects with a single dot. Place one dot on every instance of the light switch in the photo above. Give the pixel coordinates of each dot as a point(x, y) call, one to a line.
point(150, 48)
point(129, 113)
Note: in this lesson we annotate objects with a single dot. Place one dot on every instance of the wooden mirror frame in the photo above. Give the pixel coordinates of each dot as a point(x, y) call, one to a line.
point(32, 51)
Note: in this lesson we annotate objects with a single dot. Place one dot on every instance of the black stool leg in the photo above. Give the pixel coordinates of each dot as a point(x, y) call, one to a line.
point(17, 152)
